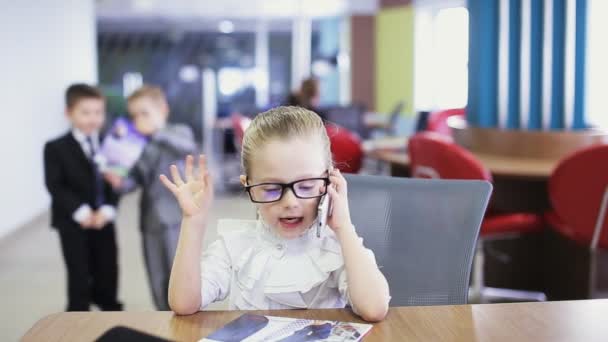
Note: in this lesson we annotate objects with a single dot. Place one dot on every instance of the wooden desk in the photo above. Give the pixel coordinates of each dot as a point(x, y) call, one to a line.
point(498, 165)
point(550, 321)
point(506, 166)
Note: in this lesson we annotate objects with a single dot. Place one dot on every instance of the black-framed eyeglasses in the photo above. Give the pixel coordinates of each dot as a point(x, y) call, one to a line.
point(273, 192)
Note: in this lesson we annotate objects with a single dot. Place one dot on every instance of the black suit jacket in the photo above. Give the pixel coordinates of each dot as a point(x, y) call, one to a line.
point(70, 179)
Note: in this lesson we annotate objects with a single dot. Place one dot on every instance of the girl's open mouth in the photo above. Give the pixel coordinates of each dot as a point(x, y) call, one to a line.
point(290, 222)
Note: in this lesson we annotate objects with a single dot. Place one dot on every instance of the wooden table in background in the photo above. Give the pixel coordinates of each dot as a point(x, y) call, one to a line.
point(550, 321)
point(387, 150)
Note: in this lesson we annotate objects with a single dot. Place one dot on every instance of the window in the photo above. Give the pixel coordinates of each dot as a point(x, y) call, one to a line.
point(441, 47)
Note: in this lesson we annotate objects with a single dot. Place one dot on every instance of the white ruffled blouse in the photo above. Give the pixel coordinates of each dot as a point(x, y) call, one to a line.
point(259, 270)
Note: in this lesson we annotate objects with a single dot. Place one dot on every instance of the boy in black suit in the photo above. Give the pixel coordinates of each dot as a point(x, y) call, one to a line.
point(83, 205)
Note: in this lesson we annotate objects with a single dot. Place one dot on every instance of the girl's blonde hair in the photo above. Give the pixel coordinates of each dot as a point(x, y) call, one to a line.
point(283, 123)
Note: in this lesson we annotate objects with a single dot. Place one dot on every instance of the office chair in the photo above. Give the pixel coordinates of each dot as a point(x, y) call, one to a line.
point(346, 148)
point(434, 155)
point(422, 232)
point(578, 190)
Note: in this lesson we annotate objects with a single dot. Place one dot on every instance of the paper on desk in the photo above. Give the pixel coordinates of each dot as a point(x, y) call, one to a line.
point(255, 328)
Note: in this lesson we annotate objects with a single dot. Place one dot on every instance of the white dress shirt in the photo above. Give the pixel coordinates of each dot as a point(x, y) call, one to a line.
point(258, 270)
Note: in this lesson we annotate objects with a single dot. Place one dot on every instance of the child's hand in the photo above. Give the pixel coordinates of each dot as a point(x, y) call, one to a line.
point(114, 179)
point(99, 220)
point(338, 192)
point(196, 194)
point(88, 222)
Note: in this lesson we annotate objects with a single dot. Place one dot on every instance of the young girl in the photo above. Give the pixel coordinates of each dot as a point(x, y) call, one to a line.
point(278, 261)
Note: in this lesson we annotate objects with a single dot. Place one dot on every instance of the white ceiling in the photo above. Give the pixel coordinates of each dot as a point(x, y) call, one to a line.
point(238, 9)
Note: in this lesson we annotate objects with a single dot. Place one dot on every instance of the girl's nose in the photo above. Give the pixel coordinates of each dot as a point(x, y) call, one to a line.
point(289, 199)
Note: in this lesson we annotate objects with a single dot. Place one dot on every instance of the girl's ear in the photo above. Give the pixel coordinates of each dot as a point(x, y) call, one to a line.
point(243, 179)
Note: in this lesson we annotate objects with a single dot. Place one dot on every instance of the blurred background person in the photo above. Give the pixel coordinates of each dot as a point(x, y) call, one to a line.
point(310, 96)
point(83, 205)
point(159, 215)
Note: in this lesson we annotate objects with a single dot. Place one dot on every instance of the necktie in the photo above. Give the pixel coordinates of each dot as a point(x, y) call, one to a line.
point(98, 178)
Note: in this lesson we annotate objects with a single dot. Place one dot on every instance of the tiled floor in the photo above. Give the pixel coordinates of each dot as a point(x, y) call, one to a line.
point(32, 275)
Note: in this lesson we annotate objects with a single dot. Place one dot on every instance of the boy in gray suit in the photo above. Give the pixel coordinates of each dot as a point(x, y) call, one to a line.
point(160, 214)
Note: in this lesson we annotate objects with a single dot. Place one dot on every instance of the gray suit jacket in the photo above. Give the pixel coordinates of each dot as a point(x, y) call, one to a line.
point(159, 208)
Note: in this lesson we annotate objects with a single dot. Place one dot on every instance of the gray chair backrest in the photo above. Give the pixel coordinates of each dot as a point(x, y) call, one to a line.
point(423, 233)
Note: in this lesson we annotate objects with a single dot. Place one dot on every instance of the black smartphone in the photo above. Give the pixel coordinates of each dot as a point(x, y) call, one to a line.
point(124, 334)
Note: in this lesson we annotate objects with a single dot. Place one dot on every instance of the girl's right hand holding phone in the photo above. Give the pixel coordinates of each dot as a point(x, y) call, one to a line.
point(195, 194)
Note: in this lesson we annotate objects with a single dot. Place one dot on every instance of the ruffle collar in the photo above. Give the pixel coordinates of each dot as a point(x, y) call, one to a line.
point(280, 268)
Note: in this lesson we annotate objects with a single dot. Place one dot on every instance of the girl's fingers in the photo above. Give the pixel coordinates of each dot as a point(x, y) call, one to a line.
point(189, 167)
point(207, 178)
point(202, 166)
point(205, 175)
point(336, 173)
point(331, 189)
point(333, 195)
point(177, 179)
point(333, 180)
point(339, 182)
point(168, 184)
point(208, 182)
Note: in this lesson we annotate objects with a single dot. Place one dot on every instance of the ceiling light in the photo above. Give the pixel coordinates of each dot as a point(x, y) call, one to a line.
point(226, 26)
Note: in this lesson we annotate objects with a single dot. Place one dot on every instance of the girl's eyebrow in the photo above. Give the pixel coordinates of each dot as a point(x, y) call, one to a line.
point(279, 180)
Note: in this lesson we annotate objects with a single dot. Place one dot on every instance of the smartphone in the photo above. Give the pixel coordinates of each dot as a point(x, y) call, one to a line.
point(121, 333)
point(323, 213)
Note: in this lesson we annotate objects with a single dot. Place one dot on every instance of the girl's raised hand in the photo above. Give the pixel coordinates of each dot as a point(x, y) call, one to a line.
point(338, 192)
point(195, 195)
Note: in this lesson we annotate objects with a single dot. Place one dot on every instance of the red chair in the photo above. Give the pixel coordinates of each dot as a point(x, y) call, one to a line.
point(346, 149)
point(438, 121)
point(578, 190)
point(434, 155)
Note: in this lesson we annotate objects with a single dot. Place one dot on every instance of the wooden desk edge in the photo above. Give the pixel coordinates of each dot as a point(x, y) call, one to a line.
point(403, 321)
point(41, 322)
point(400, 158)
